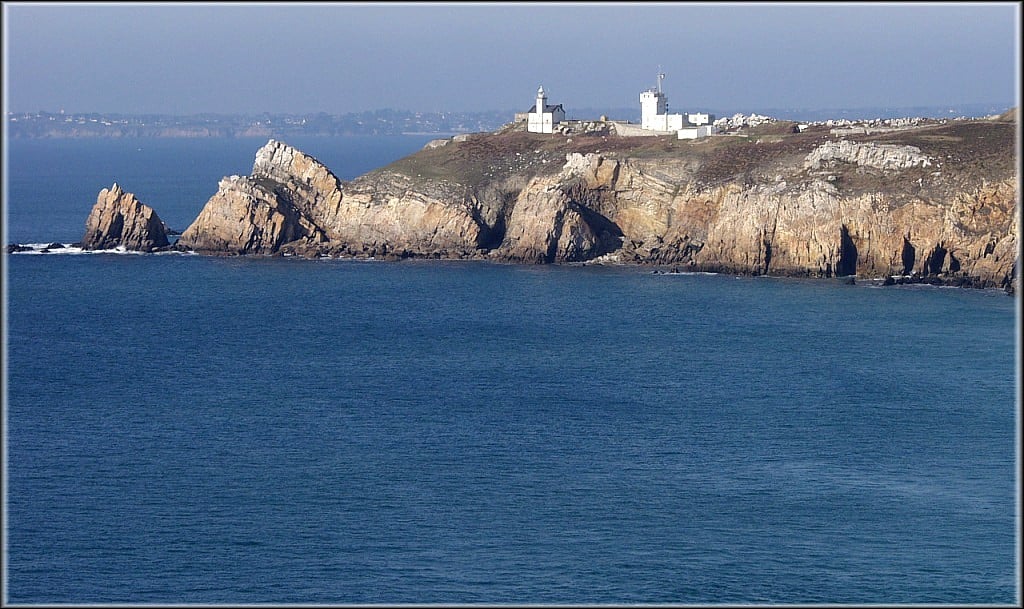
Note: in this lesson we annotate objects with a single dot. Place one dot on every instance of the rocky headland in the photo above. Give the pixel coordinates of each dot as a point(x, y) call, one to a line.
point(932, 202)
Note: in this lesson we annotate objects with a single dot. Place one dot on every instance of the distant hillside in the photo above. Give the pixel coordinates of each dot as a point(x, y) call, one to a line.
point(40, 125)
point(43, 124)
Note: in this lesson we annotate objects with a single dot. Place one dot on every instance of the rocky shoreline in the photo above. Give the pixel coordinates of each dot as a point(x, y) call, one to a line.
point(934, 204)
point(654, 269)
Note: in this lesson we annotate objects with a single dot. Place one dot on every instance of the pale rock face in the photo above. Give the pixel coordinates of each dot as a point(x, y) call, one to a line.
point(119, 219)
point(292, 199)
point(595, 170)
point(545, 226)
point(388, 212)
point(812, 229)
point(645, 210)
point(557, 218)
point(244, 217)
point(879, 156)
point(304, 181)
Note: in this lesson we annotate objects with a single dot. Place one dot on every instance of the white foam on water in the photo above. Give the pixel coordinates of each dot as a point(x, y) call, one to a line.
point(69, 249)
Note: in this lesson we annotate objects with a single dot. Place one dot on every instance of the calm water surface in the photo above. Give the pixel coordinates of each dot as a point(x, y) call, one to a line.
point(183, 429)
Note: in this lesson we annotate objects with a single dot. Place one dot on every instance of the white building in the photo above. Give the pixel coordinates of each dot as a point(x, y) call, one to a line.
point(654, 116)
point(543, 118)
point(692, 133)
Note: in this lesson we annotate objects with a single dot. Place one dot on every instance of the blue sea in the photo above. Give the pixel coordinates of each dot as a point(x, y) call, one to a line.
point(190, 429)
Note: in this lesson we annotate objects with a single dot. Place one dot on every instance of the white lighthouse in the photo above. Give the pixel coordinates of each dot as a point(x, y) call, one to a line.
point(543, 118)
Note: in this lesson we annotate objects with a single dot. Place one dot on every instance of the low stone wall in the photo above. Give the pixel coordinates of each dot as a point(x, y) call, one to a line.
point(629, 130)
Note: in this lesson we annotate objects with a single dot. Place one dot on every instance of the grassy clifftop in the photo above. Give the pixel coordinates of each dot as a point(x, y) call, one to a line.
point(964, 151)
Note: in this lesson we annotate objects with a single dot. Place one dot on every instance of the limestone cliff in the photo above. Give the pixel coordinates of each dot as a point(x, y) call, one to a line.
point(119, 220)
point(935, 201)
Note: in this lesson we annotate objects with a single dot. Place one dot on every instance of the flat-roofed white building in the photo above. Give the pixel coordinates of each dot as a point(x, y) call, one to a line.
point(692, 133)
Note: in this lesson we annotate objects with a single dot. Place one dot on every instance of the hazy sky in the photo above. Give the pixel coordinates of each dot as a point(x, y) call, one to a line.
point(340, 57)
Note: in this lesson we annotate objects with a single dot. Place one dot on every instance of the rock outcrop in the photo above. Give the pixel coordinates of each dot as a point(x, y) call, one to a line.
point(927, 201)
point(119, 220)
point(293, 203)
point(547, 226)
point(554, 218)
point(247, 216)
point(879, 156)
point(283, 202)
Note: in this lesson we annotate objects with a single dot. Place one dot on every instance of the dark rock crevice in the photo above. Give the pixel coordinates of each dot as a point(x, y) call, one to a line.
point(491, 235)
point(908, 255)
point(935, 261)
point(847, 264)
point(609, 235)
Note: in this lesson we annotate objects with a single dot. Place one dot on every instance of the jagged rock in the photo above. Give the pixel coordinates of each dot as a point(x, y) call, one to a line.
point(300, 180)
point(546, 226)
point(291, 198)
point(879, 156)
point(119, 219)
point(740, 120)
point(748, 208)
point(246, 216)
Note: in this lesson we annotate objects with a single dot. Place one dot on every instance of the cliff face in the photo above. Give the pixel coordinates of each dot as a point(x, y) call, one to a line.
point(814, 228)
point(119, 219)
point(938, 201)
point(247, 216)
point(293, 203)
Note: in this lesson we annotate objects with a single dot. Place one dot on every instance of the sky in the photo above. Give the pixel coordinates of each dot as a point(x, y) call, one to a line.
point(190, 58)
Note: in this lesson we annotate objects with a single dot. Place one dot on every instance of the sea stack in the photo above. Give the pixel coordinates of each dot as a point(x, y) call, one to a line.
point(119, 219)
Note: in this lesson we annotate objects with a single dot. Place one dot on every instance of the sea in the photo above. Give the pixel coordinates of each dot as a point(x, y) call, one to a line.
point(183, 429)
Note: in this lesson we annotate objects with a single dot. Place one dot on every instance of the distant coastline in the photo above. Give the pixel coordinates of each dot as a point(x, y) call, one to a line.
point(61, 124)
point(55, 125)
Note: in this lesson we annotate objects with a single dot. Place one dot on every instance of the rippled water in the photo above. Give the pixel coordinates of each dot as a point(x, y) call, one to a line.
point(183, 429)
